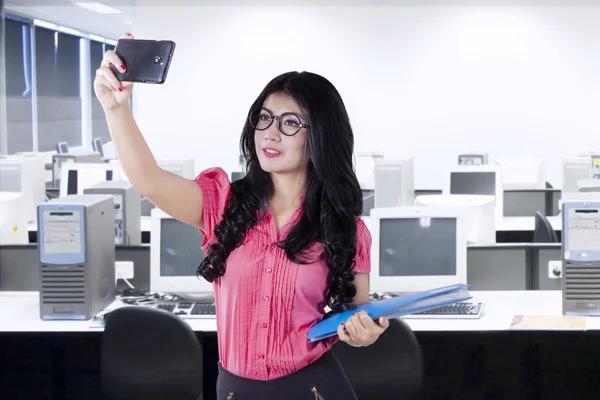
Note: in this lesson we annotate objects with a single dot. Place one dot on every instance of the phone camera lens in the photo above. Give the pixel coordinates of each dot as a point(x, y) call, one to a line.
point(158, 60)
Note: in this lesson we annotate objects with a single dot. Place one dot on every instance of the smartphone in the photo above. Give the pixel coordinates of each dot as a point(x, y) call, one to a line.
point(146, 61)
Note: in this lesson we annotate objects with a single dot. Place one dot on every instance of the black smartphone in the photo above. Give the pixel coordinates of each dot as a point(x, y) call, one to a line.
point(146, 61)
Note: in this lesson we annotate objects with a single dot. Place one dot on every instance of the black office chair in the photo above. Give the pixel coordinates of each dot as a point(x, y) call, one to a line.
point(390, 368)
point(543, 231)
point(149, 354)
point(549, 185)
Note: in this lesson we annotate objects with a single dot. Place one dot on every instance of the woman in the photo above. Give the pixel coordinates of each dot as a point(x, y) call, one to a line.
point(281, 244)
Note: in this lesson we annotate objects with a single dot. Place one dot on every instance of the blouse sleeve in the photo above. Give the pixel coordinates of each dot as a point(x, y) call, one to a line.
point(215, 187)
point(363, 248)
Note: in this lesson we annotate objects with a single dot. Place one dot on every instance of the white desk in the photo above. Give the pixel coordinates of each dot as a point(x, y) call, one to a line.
point(19, 312)
point(145, 224)
point(526, 223)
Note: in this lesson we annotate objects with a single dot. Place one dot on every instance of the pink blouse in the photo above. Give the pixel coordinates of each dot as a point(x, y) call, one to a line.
point(265, 304)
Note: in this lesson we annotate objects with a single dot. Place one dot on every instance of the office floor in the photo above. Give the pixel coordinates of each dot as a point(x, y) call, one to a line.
point(459, 365)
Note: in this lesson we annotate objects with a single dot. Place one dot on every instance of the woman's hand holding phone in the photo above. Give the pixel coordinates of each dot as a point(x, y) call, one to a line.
point(111, 92)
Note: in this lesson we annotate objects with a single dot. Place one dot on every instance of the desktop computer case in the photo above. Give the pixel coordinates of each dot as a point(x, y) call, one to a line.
point(128, 210)
point(581, 255)
point(76, 256)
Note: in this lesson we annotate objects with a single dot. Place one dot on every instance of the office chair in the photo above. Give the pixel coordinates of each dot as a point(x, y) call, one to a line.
point(549, 185)
point(149, 354)
point(543, 231)
point(390, 368)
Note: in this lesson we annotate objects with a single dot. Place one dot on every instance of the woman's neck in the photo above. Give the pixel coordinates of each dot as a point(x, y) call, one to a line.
point(288, 189)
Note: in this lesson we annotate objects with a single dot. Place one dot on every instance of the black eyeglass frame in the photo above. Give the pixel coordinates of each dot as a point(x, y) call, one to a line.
point(278, 118)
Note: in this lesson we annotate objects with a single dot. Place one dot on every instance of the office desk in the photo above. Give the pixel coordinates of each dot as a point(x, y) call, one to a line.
point(19, 312)
point(464, 359)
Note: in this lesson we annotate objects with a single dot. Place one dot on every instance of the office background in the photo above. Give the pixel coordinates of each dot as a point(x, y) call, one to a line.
point(427, 81)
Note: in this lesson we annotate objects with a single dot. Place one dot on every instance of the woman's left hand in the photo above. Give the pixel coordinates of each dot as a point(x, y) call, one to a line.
point(360, 330)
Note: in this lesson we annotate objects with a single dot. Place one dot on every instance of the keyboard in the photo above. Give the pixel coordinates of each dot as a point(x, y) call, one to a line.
point(462, 310)
point(189, 309)
point(465, 309)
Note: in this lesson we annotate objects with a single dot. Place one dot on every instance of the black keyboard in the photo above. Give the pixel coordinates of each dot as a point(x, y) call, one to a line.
point(166, 306)
point(189, 309)
point(456, 310)
point(466, 309)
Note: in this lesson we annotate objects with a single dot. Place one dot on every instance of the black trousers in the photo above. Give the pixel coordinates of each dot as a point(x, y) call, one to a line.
point(324, 379)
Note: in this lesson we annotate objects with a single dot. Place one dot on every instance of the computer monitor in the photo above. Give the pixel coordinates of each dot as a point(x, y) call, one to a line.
point(175, 254)
point(13, 219)
point(575, 169)
point(59, 159)
point(417, 248)
point(521, 173)
point(394, 183)
point(62, 147)
point(480, 212)
point(473, 159)
point(183, 167)
point(97, 146)
point(365, 169)
point(25, 173)
point(477, 180)
point(75, 177)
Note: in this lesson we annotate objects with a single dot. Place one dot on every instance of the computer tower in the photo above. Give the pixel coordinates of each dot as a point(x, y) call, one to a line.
point(76, 256)
point(59, 159)
point(581, 254)
point(596, 166)
point(394, 183)
point(127, 213)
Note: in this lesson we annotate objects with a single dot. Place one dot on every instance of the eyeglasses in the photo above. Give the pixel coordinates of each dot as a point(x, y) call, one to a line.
point(289, 123)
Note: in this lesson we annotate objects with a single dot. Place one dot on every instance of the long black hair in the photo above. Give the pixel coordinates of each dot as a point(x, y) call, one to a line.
point(333, 197)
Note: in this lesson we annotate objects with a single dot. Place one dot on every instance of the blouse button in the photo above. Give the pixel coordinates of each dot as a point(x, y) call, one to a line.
point(264, 325)
point(261, 356)
point(269, 270)
point(266, 298)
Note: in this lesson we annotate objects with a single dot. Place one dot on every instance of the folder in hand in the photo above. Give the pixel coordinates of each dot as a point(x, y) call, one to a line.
point(393, 307)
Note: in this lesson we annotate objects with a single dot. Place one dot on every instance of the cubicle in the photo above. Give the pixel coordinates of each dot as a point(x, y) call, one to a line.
point(503, 266)
point(19, 267)
point(525, 203)
point(513, 266)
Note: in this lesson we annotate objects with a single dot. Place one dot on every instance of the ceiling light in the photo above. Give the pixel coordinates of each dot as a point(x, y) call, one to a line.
point(98, 7)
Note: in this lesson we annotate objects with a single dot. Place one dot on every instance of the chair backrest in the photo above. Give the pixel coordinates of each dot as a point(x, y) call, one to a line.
point(543, 231)
point(150, 354)
point(390, 368)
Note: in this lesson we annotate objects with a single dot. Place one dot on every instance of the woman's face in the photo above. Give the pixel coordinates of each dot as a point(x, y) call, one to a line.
point(277, 152)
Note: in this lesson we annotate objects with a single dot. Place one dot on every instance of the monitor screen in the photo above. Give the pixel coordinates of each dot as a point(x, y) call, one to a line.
point(481, 183)
point(417, 247)
point(180, 251)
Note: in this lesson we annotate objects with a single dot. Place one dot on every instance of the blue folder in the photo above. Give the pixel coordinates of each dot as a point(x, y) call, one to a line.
point(393, 307)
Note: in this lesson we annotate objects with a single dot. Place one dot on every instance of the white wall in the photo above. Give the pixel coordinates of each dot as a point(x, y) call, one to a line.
point(428, 82)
